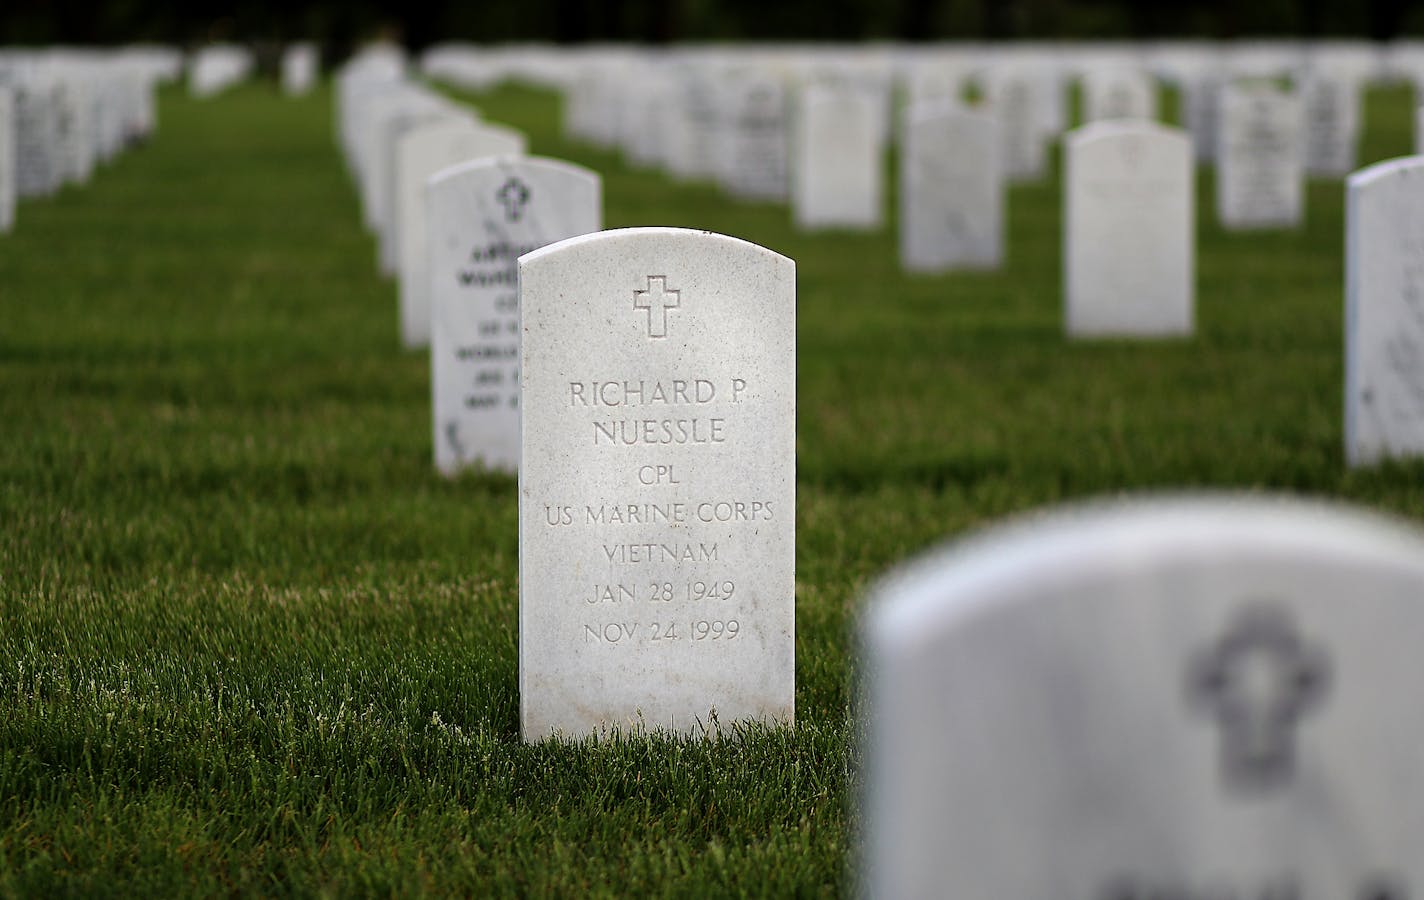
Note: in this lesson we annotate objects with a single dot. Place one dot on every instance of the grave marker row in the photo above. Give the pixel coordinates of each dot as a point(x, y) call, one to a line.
point(67, 111)
point(420, 154)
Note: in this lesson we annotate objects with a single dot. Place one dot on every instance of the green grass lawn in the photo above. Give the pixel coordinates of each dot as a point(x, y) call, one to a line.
point(251, 642)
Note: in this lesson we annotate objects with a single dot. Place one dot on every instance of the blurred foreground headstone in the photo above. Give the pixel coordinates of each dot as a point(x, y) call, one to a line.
point(1204, 698)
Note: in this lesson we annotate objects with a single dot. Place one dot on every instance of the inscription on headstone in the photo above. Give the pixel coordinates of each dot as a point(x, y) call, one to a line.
point(657, 484)
point(483, 216)
point(1260, 162)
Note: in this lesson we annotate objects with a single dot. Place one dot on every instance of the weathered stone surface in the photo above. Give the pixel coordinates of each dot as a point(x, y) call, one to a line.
point(657, 484)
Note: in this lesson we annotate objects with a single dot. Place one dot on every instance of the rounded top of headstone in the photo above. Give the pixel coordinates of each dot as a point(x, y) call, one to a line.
point(504, 160)
point(613, 238)
point(1110, 128)
point(1397, 166)
point(1042, 553)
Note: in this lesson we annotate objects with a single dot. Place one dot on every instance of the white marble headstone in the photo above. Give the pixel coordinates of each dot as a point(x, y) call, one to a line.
point(951, 190)
point(1129, 233)
point(1332, 123)
point(1011, 96)
point(7, 160)
point(1384, 312)
point(1201, 113)
point(691, 144)
point(386, 198)
point(837, 180)
point(756, 124)
point(482, 217)
point(1260, 176)
point(420, 153)
point(644, 130)
point(300, 64)
point(657, 484)
point(1196, 699)
point(379, 117)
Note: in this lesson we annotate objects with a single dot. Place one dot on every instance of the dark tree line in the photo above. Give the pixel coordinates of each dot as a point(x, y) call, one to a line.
point(339, 24)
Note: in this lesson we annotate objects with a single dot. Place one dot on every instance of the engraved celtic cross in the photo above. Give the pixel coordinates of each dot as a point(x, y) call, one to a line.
point(1258, 682)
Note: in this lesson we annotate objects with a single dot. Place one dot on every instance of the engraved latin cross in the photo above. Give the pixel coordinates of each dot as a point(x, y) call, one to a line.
point(657, 300)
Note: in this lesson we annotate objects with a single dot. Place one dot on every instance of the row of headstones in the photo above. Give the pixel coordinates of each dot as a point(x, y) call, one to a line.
point(811, 129)
point(1193, 699)
point(680, 109)
point(1129, 253)
point(621, 508)
point(952, 174)
point(656, 446)
point(64, 112)
point(1187, 699)
point(216, 68)
point(642, 382)
point(715, 117)
point(454, 201)
point(1129, 249)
